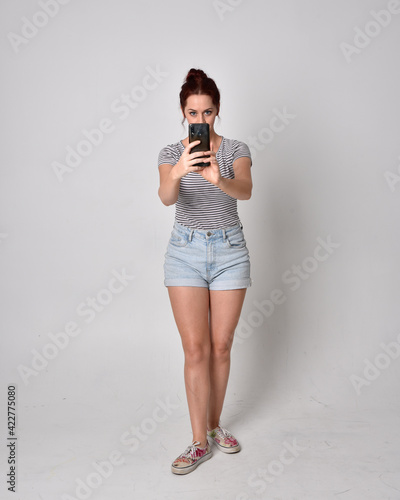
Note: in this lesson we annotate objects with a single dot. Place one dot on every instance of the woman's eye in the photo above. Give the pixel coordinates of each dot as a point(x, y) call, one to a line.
point(192, 113)
point(208, 112)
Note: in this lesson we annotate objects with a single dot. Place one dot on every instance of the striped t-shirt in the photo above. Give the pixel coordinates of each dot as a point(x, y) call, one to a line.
point(200, 204)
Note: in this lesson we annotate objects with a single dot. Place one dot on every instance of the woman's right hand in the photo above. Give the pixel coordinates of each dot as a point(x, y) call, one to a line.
point(186, 162)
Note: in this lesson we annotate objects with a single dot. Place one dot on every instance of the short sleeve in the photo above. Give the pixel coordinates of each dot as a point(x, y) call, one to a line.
point(168, 155)
point(241, 149)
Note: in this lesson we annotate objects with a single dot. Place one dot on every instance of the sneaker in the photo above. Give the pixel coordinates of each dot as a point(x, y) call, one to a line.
point(224, 440)
point(191, 458)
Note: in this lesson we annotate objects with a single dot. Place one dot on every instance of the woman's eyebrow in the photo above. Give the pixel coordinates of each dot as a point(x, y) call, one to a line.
point(191, 109)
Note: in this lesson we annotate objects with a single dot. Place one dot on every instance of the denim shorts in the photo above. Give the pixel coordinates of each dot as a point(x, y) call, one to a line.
point(217, 259)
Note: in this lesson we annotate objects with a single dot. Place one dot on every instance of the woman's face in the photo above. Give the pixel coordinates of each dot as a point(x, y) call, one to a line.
point(200, 109)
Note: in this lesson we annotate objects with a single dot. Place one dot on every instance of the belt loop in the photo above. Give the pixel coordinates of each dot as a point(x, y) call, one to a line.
point(241, 225)
point(224, 234)
point(191, 234)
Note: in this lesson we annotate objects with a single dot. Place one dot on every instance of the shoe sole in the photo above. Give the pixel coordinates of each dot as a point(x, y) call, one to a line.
point(190, 468)
point(225, 449)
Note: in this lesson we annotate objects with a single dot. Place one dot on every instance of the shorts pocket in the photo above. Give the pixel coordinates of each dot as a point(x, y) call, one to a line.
point(235, 239)
point(178, 239)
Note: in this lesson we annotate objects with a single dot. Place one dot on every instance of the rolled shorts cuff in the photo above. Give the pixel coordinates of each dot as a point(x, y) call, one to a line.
point(220, 285)
point(185, 282)
point(230, 285)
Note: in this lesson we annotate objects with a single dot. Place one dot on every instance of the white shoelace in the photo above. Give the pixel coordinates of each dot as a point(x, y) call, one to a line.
point(190, 450)
point(223, 432)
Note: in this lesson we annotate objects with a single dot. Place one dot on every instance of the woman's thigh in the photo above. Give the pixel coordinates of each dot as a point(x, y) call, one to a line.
point(225, 309)
point(190, 306)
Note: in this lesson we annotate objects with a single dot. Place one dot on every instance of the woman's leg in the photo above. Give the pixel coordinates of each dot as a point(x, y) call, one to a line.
point(225, 308)
point(190, 306)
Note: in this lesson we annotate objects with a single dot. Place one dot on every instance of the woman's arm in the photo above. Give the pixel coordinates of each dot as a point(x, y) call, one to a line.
point(170, 175)
point(169, 184)
point(241, 186)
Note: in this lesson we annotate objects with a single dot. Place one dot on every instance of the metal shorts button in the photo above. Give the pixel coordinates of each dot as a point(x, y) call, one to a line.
point(209, 233)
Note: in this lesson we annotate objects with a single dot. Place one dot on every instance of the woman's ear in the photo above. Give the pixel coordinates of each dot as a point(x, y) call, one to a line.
point(183, 116)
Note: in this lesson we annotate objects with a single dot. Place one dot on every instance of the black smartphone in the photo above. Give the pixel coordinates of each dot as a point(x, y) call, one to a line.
point(200, 132)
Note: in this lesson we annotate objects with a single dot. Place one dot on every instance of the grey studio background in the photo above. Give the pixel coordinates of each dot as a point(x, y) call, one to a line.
point(89, 97)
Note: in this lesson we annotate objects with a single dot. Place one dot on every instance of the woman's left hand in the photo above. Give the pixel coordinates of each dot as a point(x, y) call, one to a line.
point(211, 173)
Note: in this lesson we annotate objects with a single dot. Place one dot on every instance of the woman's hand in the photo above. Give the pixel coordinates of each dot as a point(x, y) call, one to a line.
point(212, 173)
point(186, 162)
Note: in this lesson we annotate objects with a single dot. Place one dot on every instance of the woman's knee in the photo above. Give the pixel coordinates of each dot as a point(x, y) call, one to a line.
point(221, 350)
point(197, 353)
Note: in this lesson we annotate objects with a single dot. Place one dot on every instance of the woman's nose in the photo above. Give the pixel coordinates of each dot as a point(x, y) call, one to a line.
point(201, 119)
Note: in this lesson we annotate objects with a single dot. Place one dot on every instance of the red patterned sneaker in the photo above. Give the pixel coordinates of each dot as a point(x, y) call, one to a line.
point(191, 458)
point(224, 440)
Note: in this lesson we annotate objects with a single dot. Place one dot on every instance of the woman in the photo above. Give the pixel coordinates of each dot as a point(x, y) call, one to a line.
point(207, 265)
